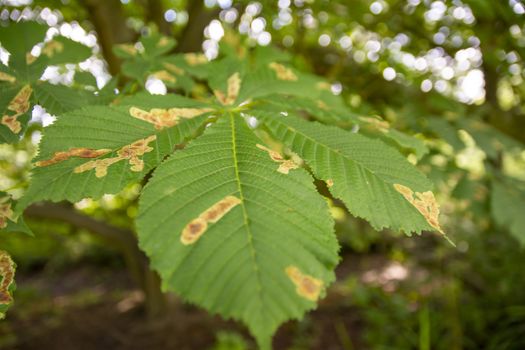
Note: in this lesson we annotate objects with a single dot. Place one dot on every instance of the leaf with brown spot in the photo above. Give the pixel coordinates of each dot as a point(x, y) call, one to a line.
point(130, 152)
point(129, 49)
point(283, 73)
point(173, 68)
point(7, 275)
point(228, 225)
point(307, 286)
point(363, 170)
point(52, 47)
point(165, 76)
point(6, 213)
point(7, 77)
point(424, 202)
point(234, 86)
point(195, 59)
point(196, 227)
point(377, 123)
point(285, 165)
point(12, 123)
point(19, 105)
point(80, 152)
point(166, 118)
point(30, 59)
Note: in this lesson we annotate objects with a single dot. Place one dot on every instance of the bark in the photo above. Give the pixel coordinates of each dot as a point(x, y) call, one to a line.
point(191, 38)
point(155, 14)
point(109, 22)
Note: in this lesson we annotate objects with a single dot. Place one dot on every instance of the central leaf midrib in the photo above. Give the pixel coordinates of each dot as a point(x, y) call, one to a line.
point(253, 253)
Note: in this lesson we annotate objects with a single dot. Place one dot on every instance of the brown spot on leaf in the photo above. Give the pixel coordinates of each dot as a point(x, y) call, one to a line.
point(52, 47)
point(282, 72)
point(19, 105)
point(173, 68)
point(329, 183)
point(306, 286)
point(11, 122)
point(30, 58)
point(165, 118)
point(219, 209)
point(323, 85)
point(285, 165)
point(196, 227)
point(193, 231)
point(194, 59)
point(424, 202)
point(379, 124)
point(7, 77)
point(131, 153)
point(234, 85)
point(80, 152)
point(130, 49)
point(7, 273)
point(163, 42)
point(165, 76)
point(6, 213)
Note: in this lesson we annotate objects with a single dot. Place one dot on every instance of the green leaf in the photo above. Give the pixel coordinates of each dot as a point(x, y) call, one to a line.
point(237, 259)
point(508, 206)
point(7, 283)
point(61, 50)
point(58, 99)
point(19, 38)
point(19, 84)
point(373, 180)
point(97, 150)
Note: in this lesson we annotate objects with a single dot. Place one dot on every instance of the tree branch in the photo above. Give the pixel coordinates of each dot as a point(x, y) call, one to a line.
point(122, 239)
point(190, 39)
point(110, 24)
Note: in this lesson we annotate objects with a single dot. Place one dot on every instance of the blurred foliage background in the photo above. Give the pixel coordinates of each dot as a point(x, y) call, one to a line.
point(449, 75)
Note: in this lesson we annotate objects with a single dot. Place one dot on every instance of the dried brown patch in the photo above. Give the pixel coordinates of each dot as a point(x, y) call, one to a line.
point(282, 72)
point(131, 153)
point(7, 77)
point(307, 286)
point(80, 152)
point(6, 213)
point(219, 209)
point(163, 42)
point(323, 85)
point(166, 76)
point(52, 47)
point(379, 124)
point(166, 118)
point(196, 227)
point(30, 58)
point(173, 68)
point(195, 59)
point(19, 105)
point(285, 165)
point(130, 49)
point(234, 86)
point(7, 272)
point(11, 122)
point(425, 203)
